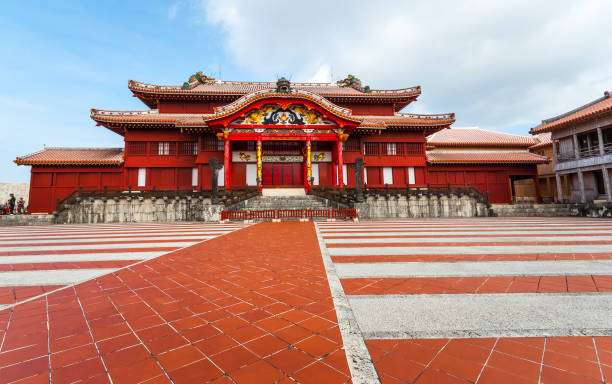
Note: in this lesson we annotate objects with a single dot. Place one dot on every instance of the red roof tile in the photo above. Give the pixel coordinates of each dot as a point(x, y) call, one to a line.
point(440, 157)
point(462, 137)
point(543, 139)
point(73, 156)
point(219, 87)
point(197, 119)
point(595, 108)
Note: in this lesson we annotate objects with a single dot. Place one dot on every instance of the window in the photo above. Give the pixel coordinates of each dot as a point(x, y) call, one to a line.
point(370, 149)
point(244, 145)
point(414, 148)
point(142, 177)
point(390, 149)
point(411, 178)
point(163, 148)
point(351, 145)
point(387, 175)
point(344, 174)
point(315, 174)
point(365, 175)
point(189, 148)
point(221, 177)
point(251, 174)
point(212, 144)
point(194, 176)
point(137, 148)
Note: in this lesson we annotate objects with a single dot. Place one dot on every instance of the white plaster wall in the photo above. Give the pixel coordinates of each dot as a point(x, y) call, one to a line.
point(19, 189)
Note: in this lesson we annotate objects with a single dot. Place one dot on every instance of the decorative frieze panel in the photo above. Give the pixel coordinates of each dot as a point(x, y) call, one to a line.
point(320, 156)
point(244, 156)
point(276, 114)
point(282, 159)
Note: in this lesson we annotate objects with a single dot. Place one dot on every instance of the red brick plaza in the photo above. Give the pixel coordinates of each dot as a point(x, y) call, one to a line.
point(491, 300)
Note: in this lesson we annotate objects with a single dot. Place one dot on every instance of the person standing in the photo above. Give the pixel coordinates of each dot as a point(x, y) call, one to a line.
point(12, 204)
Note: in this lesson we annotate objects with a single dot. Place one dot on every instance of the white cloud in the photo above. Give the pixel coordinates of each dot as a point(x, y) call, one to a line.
point(174, 10)
point(500, 65)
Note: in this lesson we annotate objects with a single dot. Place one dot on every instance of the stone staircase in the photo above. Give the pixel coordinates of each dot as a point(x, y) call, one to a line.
point(532, 210)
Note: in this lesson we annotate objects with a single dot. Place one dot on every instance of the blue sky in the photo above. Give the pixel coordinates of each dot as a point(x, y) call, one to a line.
point(502, 66)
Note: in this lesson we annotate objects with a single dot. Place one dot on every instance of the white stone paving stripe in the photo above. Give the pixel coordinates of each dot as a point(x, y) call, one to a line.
point(51, 277)
point(167, 240)
point(457, 250)
point(94, 248)
point(553, 234)
point(77, 257)
point(464, 239)
point(483, 315)
point(357, 354)
point(465, 269)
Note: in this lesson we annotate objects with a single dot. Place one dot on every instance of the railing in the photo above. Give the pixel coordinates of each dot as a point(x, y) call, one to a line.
point(563, 157)
point(589, 152)
point(234, 215)
point(265, 214)
point(226, 197)
point(317, 213)
point(344, 213)
point(289, 214)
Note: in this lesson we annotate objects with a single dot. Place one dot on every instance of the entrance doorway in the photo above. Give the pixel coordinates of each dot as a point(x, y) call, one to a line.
point(282, 174)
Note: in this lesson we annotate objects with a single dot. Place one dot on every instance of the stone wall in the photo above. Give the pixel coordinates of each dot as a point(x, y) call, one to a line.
point(139, 210)
point(420, 206)
point(527, 210)
point(8, 220)
point(19, 189)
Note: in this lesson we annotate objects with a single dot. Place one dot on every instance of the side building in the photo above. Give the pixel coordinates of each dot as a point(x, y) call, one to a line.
point(581, 142)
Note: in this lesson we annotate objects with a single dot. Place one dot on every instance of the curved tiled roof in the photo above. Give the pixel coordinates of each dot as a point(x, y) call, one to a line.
point(219, 87)
point(441, 157)
point(476, 137)
point(151, 116)
point(595, 108)
point(543, 139)
point(196, 119)
point(73, 156)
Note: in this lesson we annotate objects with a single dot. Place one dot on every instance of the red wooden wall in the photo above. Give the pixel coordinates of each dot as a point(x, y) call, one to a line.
point(49, 183)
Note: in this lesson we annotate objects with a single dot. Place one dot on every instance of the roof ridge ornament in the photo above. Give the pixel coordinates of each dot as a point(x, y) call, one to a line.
point(283, 85)
point(353, 82)
point(197, 78)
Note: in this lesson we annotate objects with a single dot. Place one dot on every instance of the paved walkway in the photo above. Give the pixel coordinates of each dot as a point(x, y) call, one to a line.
point(39, 259)
point(251, 306)
point(442, 301)
point(484, 300)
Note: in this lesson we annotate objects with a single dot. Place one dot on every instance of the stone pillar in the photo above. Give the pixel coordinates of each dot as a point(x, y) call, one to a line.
point(227, 158)
point(308, 166)
point(214, 167)
point(576, 147)
point(536, 181)
point(358, 179)
point(581, 185)
point(606, 180)
point(259, 165)
point(340, 164)
point(444, 206)
point(559, 188)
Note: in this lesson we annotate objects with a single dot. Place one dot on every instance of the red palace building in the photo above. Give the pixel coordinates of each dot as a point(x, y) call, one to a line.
point(281, 134)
